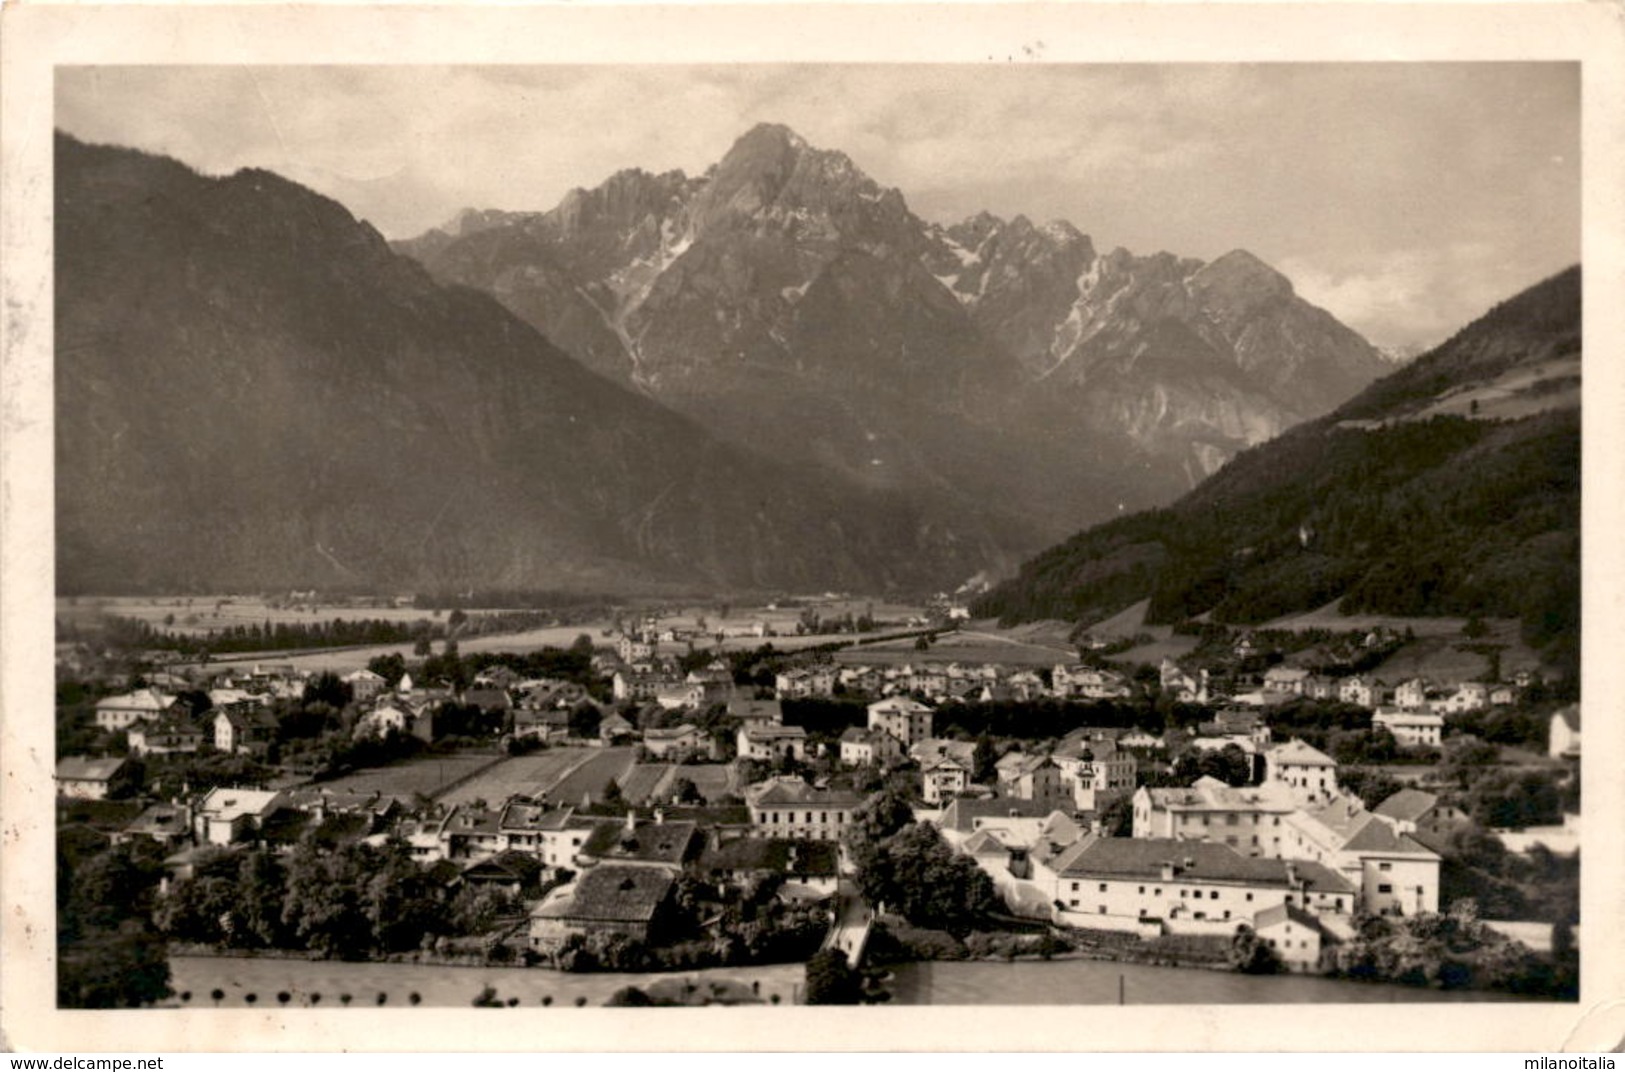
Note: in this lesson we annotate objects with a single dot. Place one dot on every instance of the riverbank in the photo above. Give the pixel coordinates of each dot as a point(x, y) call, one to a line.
point(310, 983)
point(1079, 980)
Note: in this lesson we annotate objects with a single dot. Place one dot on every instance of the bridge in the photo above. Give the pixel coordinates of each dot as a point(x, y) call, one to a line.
point(854, 920)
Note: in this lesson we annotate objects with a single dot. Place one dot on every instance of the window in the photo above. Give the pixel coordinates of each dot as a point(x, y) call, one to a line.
point(1227, 913)
point(1385, 867)
point(1074, 887)
point(1073, 902)
point(1386, 887)
point(1213, 895)
point(1249, 897)
point(1181, 895)
point(1103, 910)
point(1142, 889)
point(1102, 887)
point(1229, 820)
point(1157, 892)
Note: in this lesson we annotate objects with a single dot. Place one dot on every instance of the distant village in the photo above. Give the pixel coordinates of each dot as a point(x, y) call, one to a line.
point(1178, 804)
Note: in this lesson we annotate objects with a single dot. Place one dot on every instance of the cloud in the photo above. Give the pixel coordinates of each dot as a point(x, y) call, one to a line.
point(1384, 184)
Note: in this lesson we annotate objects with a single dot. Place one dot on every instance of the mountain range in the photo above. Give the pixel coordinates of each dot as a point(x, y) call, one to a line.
point(772, 374)
point(796, 307)
point(1449, 487)
point(253, 390)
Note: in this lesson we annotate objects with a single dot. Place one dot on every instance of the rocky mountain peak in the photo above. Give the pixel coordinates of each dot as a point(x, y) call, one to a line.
point(1242, 279)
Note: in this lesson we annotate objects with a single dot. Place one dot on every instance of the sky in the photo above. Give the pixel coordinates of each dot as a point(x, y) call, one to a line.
point(1406, 198)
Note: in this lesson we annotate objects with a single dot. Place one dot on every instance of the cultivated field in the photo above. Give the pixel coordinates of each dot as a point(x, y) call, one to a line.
point(199, 614)
point(647, 781)
point(591, 777)
point(526, 775)
point(972, 645)
point(714, 780)
point(426, 775)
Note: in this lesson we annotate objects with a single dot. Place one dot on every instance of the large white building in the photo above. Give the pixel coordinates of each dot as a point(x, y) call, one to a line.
point(1249, 820)
point(1156, 885)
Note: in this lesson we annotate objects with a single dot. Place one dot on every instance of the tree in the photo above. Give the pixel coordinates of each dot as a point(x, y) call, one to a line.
point(1249, 954)
point(584, 720)
point(421, 647)
point(684, 791)
point(984, 761)
point(123, 968)
point(831, 981)
point(612, 792)
point(629, 997)
point(1117, 818)
point(915, 873)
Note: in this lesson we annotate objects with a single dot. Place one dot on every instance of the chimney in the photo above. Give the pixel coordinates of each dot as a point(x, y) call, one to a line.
point(660, 816)
point(631, 821)
point(1168, 871)
point(1291, 874)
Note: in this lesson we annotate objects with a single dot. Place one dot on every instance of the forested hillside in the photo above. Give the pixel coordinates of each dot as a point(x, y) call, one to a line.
point(1391, 504)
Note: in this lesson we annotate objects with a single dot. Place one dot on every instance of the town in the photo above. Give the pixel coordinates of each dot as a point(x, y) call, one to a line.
point(640, 802)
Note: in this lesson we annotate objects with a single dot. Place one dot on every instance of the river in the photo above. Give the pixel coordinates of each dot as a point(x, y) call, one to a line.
point(1058, 982)
point(1095, 982)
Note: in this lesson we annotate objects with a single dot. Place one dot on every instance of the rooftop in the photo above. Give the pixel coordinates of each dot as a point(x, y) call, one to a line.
point(1298, 753)
point(646, 842)
point(86, 769)
point(1407, 805)
point(611, 893)
point(1193, 861)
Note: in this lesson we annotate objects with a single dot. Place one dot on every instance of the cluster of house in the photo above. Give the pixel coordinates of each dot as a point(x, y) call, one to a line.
point(950, 682)
point(1414, 710)
point(1293, 857)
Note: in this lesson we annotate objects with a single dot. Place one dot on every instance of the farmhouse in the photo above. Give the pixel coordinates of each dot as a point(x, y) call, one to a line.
point(612, 899)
